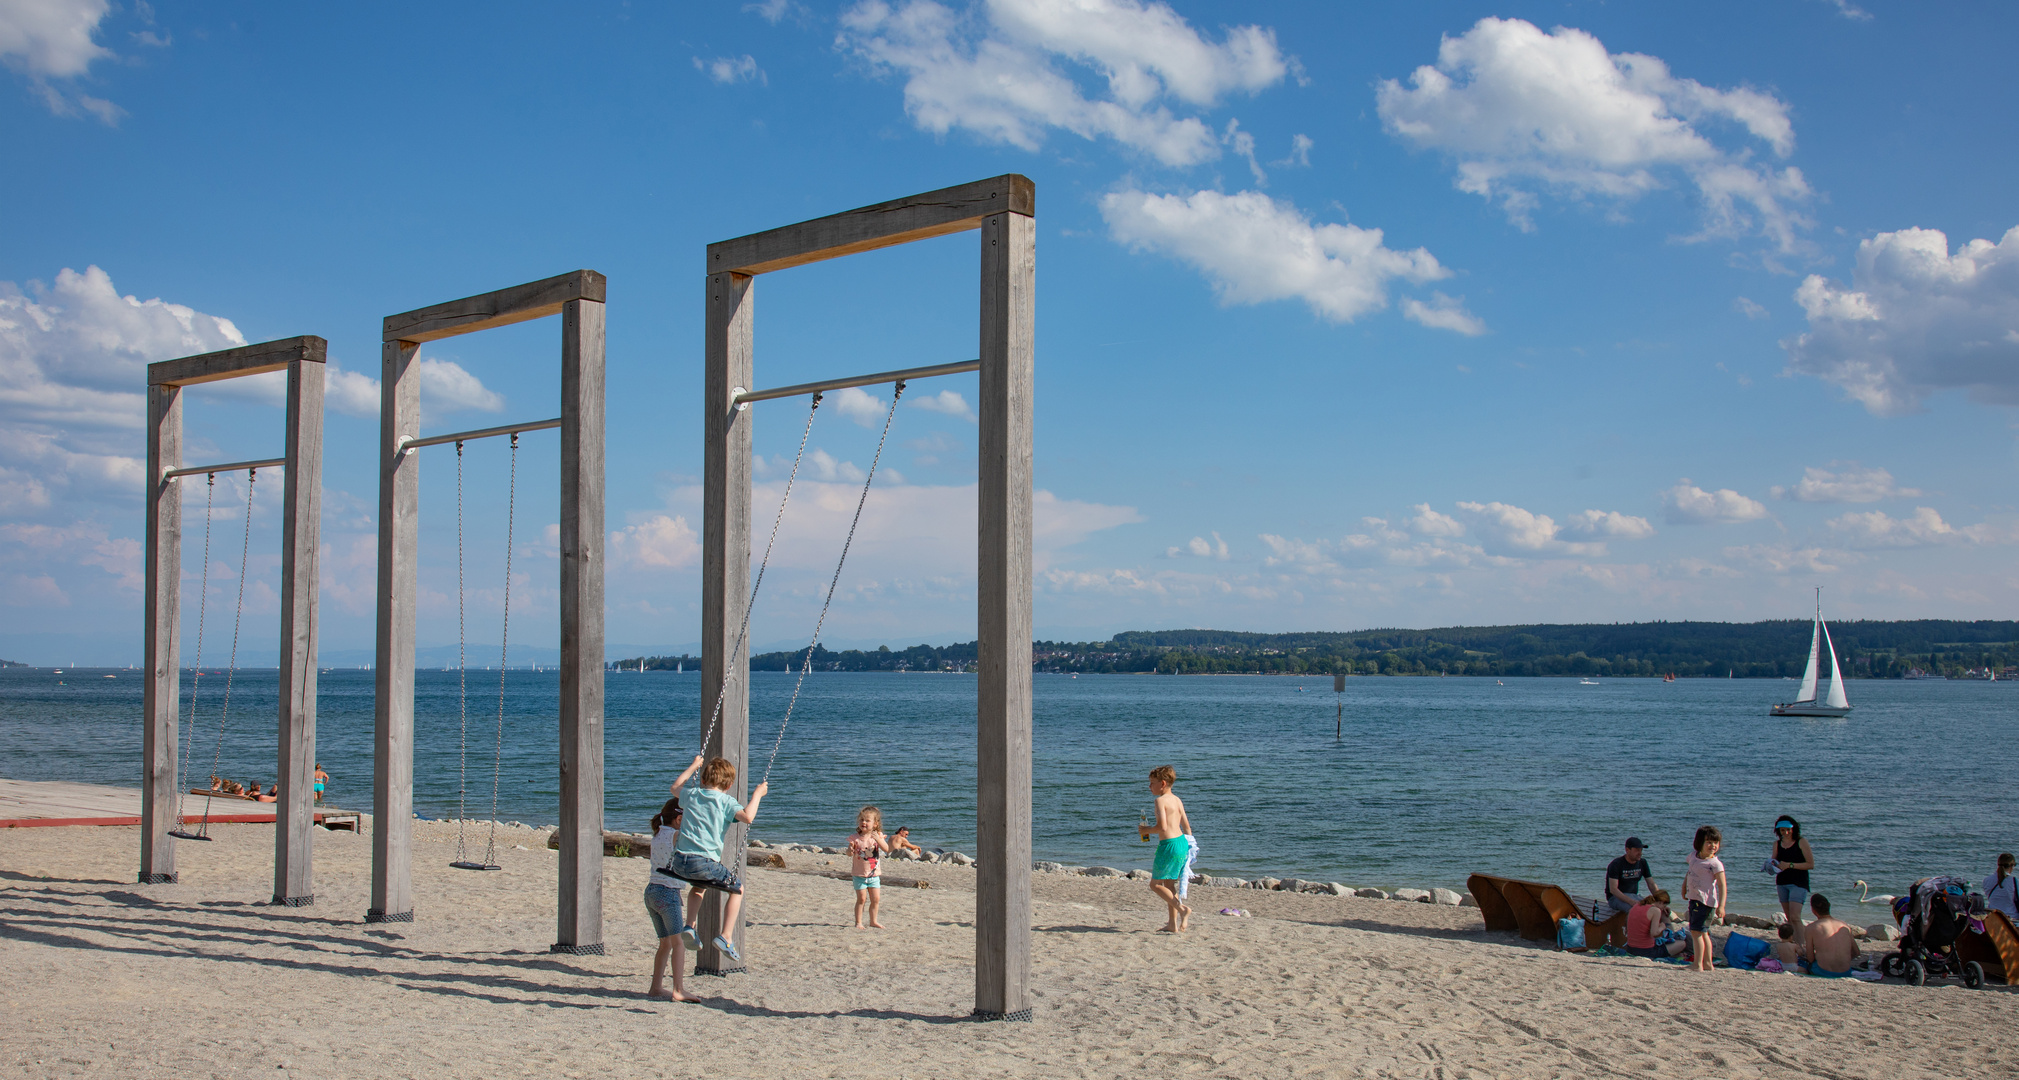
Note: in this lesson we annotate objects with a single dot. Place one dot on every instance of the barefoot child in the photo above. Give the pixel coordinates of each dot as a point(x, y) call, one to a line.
point(1174, 848)
point(662, 903)
point(1704, 887)
point(867, 848)
point(697, 855)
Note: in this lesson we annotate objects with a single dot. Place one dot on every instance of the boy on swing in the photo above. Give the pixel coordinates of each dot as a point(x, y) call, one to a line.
point(697, 857)
point(1174, 849)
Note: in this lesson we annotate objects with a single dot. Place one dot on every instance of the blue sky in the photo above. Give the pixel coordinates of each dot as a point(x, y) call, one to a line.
point(1434, 315)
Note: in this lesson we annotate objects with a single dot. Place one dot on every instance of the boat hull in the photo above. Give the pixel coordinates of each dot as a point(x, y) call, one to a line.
point(1808, 708)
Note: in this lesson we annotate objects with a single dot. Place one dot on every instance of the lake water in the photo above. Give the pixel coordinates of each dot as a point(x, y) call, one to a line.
point(1424, 781)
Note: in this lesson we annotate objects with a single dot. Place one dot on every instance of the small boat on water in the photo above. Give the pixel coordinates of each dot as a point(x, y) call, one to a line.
point(1835, 704)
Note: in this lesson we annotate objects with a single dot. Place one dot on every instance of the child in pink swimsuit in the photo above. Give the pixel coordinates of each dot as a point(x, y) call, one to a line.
point(866, 850)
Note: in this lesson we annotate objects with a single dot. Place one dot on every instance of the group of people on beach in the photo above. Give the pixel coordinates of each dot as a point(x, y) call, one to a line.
point(687, 841)
point(220, 786)
point(1825, 947)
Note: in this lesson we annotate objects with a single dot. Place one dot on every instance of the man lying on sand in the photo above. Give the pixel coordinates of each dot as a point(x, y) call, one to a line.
point(1828, 946)
point(1174, 848)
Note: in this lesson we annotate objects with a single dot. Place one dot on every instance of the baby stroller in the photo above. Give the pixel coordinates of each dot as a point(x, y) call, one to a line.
point(1932, 916)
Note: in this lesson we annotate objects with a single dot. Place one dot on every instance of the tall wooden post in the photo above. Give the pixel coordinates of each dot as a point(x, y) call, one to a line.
point(393, 662)
point(300, 534)
point(1003, 601)
point(725, 572)
point(162, 695)
point(580, 911)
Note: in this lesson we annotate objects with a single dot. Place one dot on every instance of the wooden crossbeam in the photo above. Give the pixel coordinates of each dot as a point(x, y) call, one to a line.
point(899, 221)
point(520, 303)
point(235, 363)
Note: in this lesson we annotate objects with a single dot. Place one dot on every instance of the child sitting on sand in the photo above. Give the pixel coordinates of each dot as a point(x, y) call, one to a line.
point(1174, 848)
point(866, 850)
point(697, 856)
point(1704, 887)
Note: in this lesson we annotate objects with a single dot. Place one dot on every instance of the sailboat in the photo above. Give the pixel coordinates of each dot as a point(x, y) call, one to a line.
point(1836, 704)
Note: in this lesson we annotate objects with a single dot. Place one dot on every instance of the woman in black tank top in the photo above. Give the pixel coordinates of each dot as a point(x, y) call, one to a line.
point(1793, 860)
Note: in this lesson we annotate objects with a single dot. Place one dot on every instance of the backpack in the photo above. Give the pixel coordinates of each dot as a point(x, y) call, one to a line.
point(1745, 953)
point(1570, 934)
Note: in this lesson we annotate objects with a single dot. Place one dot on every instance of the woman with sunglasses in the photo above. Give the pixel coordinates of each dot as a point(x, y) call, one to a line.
point(1791, 862)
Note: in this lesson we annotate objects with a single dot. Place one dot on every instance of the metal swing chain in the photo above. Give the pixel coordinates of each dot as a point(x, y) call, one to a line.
point(202, 608)
point(807, 665)
point(237, 618)
point(743, 633)
point(462, 670)
point(504, 650)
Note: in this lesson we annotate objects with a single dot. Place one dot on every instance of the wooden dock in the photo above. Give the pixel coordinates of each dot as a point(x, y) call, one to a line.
point(31, 803)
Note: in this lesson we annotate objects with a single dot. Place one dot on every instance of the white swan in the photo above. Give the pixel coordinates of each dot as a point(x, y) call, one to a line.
point(1873, 900)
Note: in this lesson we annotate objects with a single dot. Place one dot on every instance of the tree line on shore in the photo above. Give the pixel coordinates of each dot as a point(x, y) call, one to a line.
point(1772, 649)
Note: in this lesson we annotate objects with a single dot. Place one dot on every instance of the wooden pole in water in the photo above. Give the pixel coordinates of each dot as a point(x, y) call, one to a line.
point(1339, 718)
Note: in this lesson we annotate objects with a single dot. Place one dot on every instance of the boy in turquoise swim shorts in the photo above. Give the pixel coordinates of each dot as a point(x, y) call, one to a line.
point(1174, 849)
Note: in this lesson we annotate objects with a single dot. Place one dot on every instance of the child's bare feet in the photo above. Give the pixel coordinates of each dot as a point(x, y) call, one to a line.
point(1185, 920)
point(667, 995)
point(874, 925)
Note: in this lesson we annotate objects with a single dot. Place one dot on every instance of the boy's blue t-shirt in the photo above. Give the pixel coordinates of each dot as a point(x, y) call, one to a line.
point(707, 814)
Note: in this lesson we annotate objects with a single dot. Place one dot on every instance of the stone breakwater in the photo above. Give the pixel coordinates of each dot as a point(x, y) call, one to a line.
point(1445, 897)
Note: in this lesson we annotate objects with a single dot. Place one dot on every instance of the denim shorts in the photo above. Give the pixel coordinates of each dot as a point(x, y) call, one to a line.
point(662, 902)
point(871, 882)
point(703, 872)
point(1700, 916)
point(1792, 894)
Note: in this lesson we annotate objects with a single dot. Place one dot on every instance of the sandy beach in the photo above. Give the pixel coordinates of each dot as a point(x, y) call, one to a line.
point(204, 978)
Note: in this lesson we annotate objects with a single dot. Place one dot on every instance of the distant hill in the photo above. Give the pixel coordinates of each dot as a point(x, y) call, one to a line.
point(1773, 649)
point(11, 663)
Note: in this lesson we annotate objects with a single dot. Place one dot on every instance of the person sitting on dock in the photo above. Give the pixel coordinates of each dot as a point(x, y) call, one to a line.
point(272, 794)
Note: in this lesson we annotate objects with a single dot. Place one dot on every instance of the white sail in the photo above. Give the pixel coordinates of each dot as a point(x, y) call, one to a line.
point(1809, 675)
point(1837, 699)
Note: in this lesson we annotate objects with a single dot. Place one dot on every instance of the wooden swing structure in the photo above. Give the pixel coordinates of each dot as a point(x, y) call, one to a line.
point(1004, 210)
point(301, 523)
point(578, 297)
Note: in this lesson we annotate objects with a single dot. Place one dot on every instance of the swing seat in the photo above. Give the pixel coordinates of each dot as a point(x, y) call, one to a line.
point(466, 864)
point(182, 835)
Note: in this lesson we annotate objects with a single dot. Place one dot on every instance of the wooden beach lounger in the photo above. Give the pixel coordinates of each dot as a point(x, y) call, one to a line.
point(1531, 908)
point(1997, 948)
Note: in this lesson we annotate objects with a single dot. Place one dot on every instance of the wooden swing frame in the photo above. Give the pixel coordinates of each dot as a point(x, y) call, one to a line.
point(301, 524)
point(1004, 210)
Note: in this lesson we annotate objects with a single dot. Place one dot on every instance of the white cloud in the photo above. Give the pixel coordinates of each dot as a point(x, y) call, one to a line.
point(1782, 559)
point(51, 41)
point(1689, 504)
point(1428, 522)
point(1200, 547)
point(73, 360)
point(775, 11)
point(1521, 110)
point(1609, 523)
point(1923, 528)
point(446, 388)
point(949, 402)
point(1255, 249)
point(729, 70)
point(1749, 309)
point(1443, 313)
point(1300, 153)
point(1917, 320)
point(825, 466)
point(994, 70)
point(1845, 481)
point(1509, 529)
point(860, 406)
point(51, 37)
point(1850, 11)
point(349, 392)
point(659, 541)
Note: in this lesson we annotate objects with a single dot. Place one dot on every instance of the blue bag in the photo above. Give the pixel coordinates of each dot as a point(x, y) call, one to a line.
point(1745, 953)
point(1570, 933)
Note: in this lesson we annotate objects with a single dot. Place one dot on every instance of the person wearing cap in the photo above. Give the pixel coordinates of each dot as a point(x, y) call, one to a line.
point(1624, 875)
